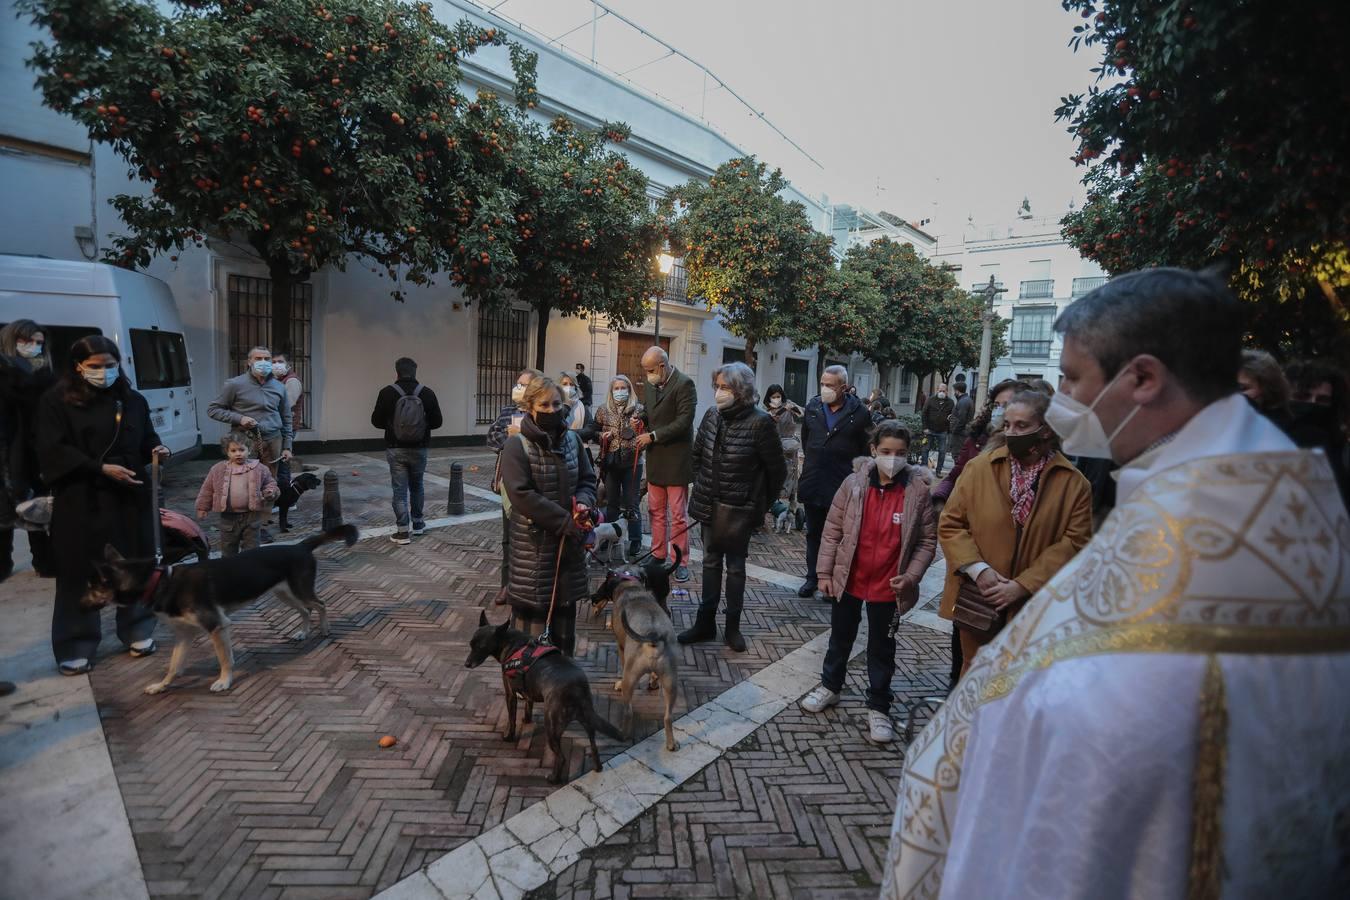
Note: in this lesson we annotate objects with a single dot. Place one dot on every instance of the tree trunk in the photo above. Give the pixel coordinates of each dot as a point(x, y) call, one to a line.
point(279, 270)
point(750, 355)
point(820, 363)
point(541, 336)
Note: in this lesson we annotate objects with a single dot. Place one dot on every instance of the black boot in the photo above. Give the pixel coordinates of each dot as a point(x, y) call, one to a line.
point(705, 625)
point(735, 599)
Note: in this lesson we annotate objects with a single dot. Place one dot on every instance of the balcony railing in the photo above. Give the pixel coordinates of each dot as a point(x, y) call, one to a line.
point(677, 283)
point(1031, 349)
point(1038, 290)
point(1083, 286)
point(979, 286)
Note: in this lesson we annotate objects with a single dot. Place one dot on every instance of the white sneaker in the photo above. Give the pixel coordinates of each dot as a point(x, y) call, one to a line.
point(880, 728)
point(820, 699)
point(400, 537)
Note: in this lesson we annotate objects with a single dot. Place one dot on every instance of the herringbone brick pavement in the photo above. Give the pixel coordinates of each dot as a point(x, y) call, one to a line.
point(800, 809)
point(278, 788)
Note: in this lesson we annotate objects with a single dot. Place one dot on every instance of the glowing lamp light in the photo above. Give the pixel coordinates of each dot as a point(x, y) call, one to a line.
point(665, 262)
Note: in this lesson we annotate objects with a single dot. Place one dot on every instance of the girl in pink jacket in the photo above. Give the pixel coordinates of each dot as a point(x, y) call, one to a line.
point(242, 491)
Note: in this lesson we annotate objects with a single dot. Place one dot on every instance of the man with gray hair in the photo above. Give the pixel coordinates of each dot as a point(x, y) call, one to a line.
point(1177, 690)
point(835, 429)
point(257, 401)
point(670, 399)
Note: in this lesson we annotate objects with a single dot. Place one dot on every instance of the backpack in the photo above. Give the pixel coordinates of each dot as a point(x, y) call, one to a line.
point(409, 424)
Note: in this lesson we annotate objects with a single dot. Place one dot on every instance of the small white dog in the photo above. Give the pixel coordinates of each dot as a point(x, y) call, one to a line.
point(607, 541)
point(782, 517)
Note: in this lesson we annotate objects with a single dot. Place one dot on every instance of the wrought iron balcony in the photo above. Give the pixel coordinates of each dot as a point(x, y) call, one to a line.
point(1037, 290)
point(677, 283)
point(1031, 349)
point(1083, 286)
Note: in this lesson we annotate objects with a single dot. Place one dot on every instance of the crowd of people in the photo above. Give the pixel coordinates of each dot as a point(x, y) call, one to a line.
point(1034, 471)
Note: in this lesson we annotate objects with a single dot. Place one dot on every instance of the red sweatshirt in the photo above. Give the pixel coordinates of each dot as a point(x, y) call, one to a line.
point(878, 555)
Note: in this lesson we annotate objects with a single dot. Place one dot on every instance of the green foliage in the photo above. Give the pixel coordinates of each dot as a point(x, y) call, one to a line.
point(845, 316)
point(930, 324)
point(587, 238)
point(752, 255)
point(312, 130)
point(1213, 137)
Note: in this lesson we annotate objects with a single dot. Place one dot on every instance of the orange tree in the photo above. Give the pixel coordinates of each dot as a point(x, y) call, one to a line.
point(309, 131)
point(587, 238)
point(1211, 138)
point(845, 316)
point(752, 255)
point(930, 323)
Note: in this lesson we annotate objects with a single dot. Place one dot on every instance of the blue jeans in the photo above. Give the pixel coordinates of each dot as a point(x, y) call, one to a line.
point(937, 443)
point(621, 499)
point(407, 465)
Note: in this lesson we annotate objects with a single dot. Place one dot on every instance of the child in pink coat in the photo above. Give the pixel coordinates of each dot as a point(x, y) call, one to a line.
point(241, 490)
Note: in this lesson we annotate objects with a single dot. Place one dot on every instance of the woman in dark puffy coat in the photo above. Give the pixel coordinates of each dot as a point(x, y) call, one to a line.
point(95, 441)
point(549, 482)
point(739, 470)
point(25, 373)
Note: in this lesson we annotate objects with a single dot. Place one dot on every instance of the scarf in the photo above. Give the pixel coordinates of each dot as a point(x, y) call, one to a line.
point(1023, 484)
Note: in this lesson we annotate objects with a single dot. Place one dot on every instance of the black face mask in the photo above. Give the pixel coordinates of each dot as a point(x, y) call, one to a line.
point(1023, 446)
point(549, 422)
point(1312, 415)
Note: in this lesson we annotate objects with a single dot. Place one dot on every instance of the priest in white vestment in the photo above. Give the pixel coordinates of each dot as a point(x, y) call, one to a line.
point(1169, 717)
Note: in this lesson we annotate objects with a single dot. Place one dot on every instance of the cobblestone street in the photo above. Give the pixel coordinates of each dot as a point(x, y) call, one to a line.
point(279, 788)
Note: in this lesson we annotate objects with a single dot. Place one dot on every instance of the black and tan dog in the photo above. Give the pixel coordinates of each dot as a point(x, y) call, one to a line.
point(290, 496)
point(203, 595)
point(551, 678)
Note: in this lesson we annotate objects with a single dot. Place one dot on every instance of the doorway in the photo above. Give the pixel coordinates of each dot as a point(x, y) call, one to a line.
point(796, 376)
point(632, 345)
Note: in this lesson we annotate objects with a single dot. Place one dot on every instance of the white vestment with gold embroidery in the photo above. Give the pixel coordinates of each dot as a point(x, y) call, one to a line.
point(1170, 715)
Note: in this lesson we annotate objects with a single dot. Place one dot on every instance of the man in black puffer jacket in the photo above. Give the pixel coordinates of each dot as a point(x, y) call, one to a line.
point(835, 431)
point(739, 469)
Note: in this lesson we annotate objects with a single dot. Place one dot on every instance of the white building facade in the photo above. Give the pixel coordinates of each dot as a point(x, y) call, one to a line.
point(1040, 275)
point(347, 330)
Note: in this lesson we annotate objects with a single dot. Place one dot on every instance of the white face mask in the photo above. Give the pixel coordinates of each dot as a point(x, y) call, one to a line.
point(890, 465)
point(101, 378)
point(723, 398)
point(280, 368)
point(942, 395)
point(569, 391)
point(775, 402)
point(29, 349)
point(996, 419)
point(518, 394)
point(828, 395)
point(1080, 431)
point(655, 378)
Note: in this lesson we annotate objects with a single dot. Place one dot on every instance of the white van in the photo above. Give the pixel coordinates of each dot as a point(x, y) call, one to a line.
point(73, 299)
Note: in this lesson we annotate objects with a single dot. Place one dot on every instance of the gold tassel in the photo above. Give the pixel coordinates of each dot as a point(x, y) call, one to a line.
point(1211, 756)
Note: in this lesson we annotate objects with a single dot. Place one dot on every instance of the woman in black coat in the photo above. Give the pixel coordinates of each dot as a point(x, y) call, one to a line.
point(739, 470)
point(25, 373)
point(96, 441)
point(544, 470)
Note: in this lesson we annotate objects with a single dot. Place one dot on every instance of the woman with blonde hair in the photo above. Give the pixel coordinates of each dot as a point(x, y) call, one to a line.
point(618, 421)
point(551, 486)
point(575, 406)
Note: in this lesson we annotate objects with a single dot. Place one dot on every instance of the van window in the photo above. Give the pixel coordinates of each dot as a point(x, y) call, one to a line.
point(59, 338)
point(160, 358)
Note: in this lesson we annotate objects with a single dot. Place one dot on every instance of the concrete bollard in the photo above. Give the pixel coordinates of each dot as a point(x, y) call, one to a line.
point(332, 501)
point(454, 504)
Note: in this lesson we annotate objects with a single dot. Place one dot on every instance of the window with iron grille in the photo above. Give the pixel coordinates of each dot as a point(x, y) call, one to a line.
point(1039, 289)
point(677, 282)
point(1083, 286)
point(1032, 330)
point(503, 342)
point(250, 314)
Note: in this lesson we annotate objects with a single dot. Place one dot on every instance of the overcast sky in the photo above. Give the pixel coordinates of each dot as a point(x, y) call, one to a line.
point(906, 104)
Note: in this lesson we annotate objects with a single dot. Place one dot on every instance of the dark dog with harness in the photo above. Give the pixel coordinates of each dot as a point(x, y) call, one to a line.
point(538, 673)
point(203, 595)
point(290, 495)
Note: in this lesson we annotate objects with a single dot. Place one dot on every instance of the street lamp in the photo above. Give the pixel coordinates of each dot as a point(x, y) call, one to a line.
point(990, 293)
point(666, 263)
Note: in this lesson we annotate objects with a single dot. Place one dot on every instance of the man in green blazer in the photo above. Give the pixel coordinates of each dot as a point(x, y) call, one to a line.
point(670, 398)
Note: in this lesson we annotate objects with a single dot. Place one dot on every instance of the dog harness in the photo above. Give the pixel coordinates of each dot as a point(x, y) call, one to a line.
point(517, 665)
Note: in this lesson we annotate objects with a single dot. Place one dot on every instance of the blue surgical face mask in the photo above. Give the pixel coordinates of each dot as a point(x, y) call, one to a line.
point(29, 349)
point(620, 396)
point(262, 368)
point(101, 378)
